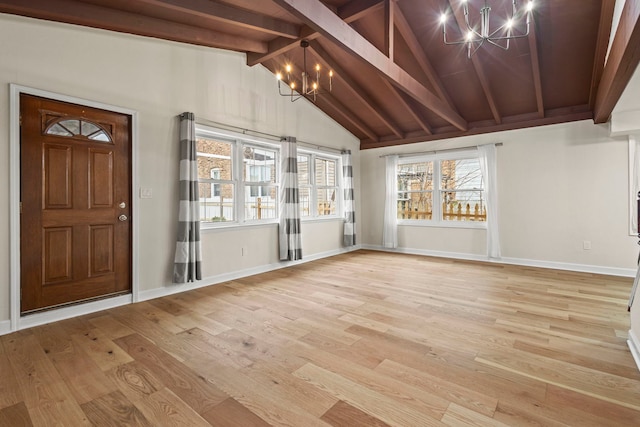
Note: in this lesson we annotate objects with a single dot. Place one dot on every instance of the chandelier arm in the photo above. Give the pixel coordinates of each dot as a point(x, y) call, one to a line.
point(516, 36)
point(470, 53)
point(494, 43)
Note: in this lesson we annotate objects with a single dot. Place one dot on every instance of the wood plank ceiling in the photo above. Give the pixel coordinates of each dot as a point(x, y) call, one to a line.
point(395, 81)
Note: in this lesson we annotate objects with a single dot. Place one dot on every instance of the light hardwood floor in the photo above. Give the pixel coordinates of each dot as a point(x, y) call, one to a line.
point(361, 339)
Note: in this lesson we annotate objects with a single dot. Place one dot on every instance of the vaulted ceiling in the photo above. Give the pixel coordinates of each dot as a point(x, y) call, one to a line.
point(395, 81)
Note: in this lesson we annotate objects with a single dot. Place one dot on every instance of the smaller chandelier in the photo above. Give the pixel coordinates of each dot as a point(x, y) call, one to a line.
point(304, 86)
point(499, 37)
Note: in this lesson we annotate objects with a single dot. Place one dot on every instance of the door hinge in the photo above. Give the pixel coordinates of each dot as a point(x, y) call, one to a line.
point(20, 207)
point(20, 119)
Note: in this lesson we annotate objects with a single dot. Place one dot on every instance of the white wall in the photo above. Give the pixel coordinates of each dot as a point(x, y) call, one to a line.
point(159, 80)
point(558, 186)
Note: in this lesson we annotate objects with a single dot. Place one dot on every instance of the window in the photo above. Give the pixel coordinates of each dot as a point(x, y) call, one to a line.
point(326, 186)
point(215, 175)
point(239, 180)
point(261, 189)
point(441, 189)
point(78, 128)
point(320, 190)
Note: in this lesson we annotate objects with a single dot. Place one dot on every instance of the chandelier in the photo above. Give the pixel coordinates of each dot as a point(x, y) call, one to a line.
point(304, 86)
point(499, 37)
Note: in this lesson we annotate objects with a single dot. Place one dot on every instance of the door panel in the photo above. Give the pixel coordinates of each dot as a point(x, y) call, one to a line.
point(57, 176)
point(75, 176)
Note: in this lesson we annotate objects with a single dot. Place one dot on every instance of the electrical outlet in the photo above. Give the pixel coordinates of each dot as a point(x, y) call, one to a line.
point(244, 251)
point(586, 245)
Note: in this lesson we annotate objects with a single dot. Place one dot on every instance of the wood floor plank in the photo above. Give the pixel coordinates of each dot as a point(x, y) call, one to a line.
point(10, 394)
point(230, 413)
point(263, 401)
point(364, 338)
point(114, 409)
point(457, 415)
point(110, 326)
point(85, 379)
point(602, 386)
point(454, 393)
point(15, 416)
point(363, 398)
point(104, 352)
point(135, 380)
point(46, 395)
point(291, 388)
point(180, 379)
point(343, 414)
point(164, 408)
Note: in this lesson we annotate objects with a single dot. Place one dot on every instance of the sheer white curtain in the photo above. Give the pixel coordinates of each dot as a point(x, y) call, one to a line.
point(390, 231)
point(488, 166)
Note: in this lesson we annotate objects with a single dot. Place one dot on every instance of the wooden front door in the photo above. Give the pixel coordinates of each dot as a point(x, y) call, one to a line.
point(76, 202)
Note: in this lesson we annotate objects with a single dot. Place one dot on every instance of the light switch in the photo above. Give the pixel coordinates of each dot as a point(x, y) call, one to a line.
point(146, 193)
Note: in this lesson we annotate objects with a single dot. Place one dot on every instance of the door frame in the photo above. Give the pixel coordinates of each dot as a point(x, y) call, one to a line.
point(18, 322)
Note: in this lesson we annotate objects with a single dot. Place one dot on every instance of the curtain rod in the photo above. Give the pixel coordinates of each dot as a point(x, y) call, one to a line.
point(265, 135)
point(497, 144)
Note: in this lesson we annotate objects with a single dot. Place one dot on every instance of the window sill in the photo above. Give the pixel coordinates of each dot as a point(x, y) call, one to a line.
point(256, 224)
point(322, 218)
point(443, 224)
point(236, 225)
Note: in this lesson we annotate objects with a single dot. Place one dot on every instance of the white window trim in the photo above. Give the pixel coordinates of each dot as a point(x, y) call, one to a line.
point(313, 216)
point(437, 204)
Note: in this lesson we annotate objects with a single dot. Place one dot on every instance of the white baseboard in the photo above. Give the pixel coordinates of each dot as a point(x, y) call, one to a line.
point(634, 346)
point(234, 275)
point(426, 252)
point(582, 268)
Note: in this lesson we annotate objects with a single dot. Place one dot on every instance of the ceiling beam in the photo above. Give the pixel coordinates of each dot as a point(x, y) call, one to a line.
point(420, 56)
point(350, 12)
point(220, 12)
point(353, 87)
point(622, 61)
point(406, 103)
point(561, 115)
point(482, 77)
point(319, 17)
point(341, 110)
point(602, 44)
point(535, 67)
point(90, 15)
point(357, 9)
point(389, 11)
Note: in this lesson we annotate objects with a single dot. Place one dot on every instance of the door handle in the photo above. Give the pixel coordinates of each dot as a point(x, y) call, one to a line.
point(122, 218)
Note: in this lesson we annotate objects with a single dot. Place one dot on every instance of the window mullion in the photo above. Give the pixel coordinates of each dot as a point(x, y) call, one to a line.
point(314, 187)
point(436, 193)
point(239, 180)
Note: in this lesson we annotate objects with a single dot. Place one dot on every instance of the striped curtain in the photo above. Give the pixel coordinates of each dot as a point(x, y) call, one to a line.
point(188, 259)
point(289, 230)
point(349, 234)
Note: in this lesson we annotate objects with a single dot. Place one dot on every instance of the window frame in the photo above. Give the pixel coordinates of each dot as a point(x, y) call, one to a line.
point(238, 142)
point(436, 191)
point(314, 187)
